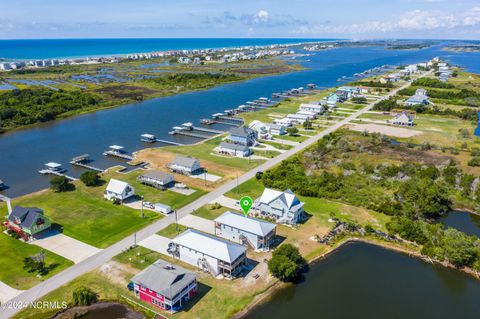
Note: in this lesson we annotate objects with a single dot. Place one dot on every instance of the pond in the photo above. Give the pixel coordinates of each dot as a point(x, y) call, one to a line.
point(463, 221)
point(104, 310)
point(365, 281)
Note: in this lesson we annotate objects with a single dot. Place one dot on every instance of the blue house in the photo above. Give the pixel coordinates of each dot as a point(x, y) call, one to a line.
point(243, 136)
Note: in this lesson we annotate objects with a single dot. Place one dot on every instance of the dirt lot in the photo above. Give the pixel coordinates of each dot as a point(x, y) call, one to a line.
point(383, 129)
point(159, 160)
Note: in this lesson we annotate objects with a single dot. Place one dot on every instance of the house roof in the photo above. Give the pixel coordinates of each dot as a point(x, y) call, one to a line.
point(185, 161)
point(248, 224)
point(159, 176)
point(418, 99)
point(116, 186)
point(210, 245)
point(164, 278)
point(287, 197)
point(236, 147)
point(241, 131)
point(26, 215)
point(276, 126)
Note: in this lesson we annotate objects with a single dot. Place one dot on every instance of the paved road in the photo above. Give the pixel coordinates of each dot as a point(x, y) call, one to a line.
point(105, 255)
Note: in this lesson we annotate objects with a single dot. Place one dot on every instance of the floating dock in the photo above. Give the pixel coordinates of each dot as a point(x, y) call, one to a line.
point(169, 142)
point(82, 161)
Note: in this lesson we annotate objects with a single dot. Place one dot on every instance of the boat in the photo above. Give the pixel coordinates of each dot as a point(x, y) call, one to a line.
point(148, 138)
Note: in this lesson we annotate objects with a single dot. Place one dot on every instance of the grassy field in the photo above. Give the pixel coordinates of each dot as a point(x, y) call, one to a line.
point(12, 253)
point(84, 215)
point(167, 197)
point(172, 230)
point(138, 257)
point(210, 212)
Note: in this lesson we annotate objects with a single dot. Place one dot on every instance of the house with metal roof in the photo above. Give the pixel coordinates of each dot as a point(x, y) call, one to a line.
point(284, 207)
point(245, 230)
point(311, 107)
point(186, 165)
point(209, 253)
point(157, 179)
point(27, 222)
point(276, 129)
point(404, 119)
point(230, 149)
point(242, 135)
point(420, 98)
point(118, 190)
point(165, 286)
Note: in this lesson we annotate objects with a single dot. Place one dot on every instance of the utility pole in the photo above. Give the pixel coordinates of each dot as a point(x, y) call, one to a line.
point(176, 221)
point(205, 176)
point(142, 207)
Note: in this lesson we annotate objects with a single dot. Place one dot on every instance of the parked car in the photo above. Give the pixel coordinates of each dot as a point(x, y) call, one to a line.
point(148, 205)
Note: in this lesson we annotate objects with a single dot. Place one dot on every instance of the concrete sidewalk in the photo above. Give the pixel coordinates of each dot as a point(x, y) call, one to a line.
point(67, 247)
point(7, 292)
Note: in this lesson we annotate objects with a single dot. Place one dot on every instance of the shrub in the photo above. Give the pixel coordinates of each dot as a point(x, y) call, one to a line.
point(90, 178)
point(60, 184)
point(285, 262)
point(83, 296)
point(475, 162)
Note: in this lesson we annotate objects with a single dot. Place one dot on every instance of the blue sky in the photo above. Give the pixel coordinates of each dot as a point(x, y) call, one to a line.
point(360, 19)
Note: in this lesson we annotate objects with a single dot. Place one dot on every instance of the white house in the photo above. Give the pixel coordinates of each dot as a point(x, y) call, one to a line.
point(245, 230)
point(283, 121)
point(420, 97)
point(299, 118)
point(185, 165)
point(233, 149)
point(262, 129)
point(209, 253)
point(309, 107)
point(403, 119)
point(276, 129)
point(118, 190)
point(308, 113)
point(284, 207)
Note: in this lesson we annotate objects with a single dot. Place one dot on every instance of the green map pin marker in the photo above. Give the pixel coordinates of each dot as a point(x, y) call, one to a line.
point(245, 203)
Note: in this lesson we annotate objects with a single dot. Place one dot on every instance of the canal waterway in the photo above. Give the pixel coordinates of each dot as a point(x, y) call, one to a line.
point(24, 152)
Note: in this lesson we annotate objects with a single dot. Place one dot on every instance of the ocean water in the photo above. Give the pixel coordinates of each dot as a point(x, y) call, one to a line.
point(24, 152)
point(70, 48)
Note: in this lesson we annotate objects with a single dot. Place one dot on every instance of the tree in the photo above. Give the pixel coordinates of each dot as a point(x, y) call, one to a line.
point(83, 296)
point(60, 184)
point(285, 262)
point(459, 248)
point(90, 178)
point(36, 264)
point(307, 125)
point(292, 131)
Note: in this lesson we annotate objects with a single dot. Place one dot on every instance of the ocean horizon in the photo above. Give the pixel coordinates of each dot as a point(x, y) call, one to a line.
point(25, 49)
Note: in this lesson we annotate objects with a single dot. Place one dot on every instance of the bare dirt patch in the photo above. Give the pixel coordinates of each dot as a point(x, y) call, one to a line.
point(159, 159)
point(383, 129)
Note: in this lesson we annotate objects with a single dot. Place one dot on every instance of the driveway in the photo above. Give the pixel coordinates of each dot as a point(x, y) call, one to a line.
point(156, 243)
point(207, 176)
point(67, 247)
point(226, 202)
point(7, 292)
point(199, 223)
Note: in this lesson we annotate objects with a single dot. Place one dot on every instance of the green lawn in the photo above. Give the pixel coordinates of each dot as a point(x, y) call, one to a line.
point(266, 153)
point(205, 150)
point(86, 216)
point(12, 253)
point(151, 194)
point(172, 230)
point(278, 145)
point(208, 212)
point(295, 138)
point(138, 257)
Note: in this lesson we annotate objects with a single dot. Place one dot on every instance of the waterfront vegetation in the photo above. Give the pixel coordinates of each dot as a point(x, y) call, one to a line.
point(66, 96)
point(12, 255)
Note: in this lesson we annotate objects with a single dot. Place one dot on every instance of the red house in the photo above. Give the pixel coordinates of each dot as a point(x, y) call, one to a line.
point(165, 286)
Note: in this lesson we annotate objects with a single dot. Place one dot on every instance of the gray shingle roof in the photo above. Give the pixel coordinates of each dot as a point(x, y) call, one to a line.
point(236, 147)
point(185, 161)
point(159, 176)
point(165, 279)
point(241, 131)
point(26, 215)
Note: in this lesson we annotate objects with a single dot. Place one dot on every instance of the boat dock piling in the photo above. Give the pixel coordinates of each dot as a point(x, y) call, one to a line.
point(82, 161)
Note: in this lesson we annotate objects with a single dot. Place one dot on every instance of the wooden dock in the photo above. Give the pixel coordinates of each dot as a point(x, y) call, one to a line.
point(119, 155)
point(82, 161)
point(234, 119)
point(169, 142)
point(50, 172)
point(189, 133)
point(202, 129)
